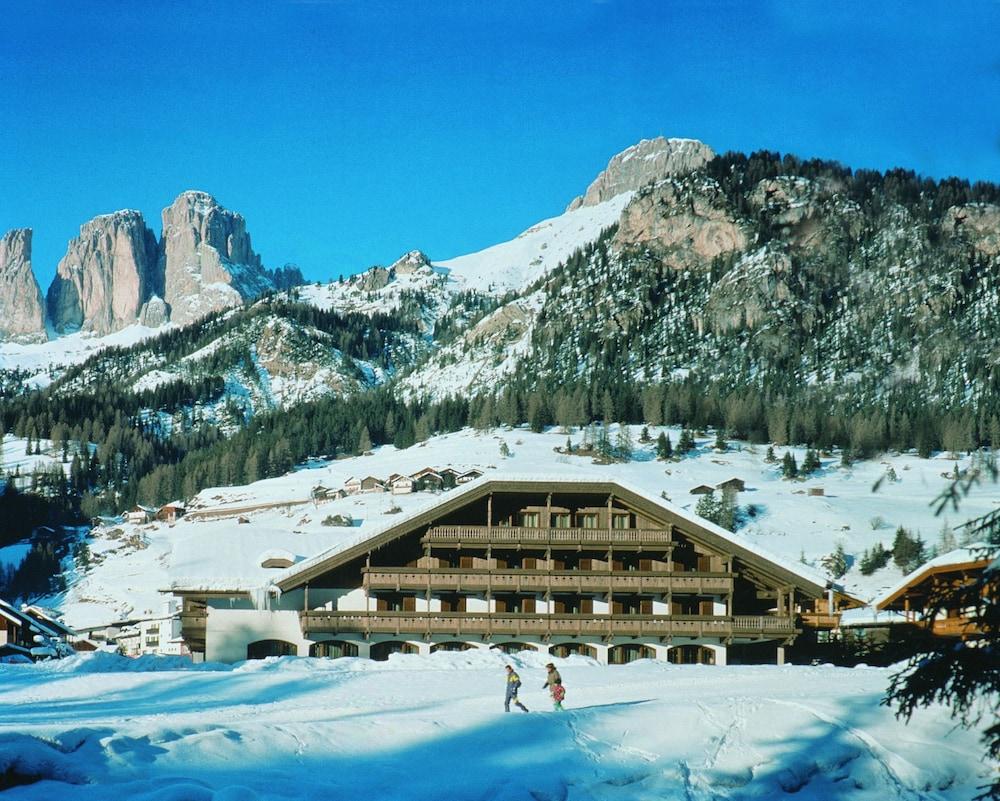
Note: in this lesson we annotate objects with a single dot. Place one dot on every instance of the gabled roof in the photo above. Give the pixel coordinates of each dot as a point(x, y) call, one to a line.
point(970, 557)
point(778, 569)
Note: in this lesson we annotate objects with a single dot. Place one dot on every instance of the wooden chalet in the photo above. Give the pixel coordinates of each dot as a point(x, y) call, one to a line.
point(702, 489)
point(557, 566)
point(733, 484)
point(400, 485)
point(352, 486)
point(170, 512)
point(371, 484)
point(427, 479)
point(469, 475)
point(918, 596)
point(140, 515)
point(32, 632)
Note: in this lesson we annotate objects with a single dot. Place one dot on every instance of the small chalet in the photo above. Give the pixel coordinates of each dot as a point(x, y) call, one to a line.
point(372, 484)
point(32, 632)
point(140, 515)
point(427, 479)
point(918, 596)
point(277, 557)
point(733, 484)
point(702, 489)
point(352, 486)
point(400, 484)
point(170, 512)
point(469, 475)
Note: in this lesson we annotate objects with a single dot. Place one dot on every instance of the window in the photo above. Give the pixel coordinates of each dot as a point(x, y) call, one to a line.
point(529, 519)
point(560, 520)
point(620, 521)
point(588, 520)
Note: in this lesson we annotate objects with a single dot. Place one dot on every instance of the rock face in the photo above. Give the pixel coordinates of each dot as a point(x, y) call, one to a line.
point(979, 223)
point(22, 314)
point(410, 263)
point(685, 223)
point(206, 258)
point(646, 161)
point(107, 274)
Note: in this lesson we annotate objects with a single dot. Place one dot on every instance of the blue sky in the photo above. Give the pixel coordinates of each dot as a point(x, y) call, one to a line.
point(349, 132)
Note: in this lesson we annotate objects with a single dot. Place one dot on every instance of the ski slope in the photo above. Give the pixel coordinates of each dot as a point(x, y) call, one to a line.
point(102, 726)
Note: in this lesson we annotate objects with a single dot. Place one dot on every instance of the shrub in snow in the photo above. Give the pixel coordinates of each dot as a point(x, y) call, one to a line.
point(338, 520)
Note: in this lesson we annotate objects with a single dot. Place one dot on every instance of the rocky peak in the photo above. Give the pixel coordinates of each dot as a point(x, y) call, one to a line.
point(22, 316)
point(107, 274)
point(410, 263)
point(206, 258)
point(646, 161)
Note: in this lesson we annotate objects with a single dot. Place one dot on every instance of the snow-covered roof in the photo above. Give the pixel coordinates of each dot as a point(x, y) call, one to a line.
point(808, 576)
point(972, 554)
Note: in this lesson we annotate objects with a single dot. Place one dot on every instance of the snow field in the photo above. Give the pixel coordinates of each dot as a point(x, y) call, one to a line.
point(416, 728)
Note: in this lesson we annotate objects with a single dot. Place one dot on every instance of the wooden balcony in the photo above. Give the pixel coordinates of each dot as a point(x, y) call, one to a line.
point(820, 620)
point(954, 627)
point(631, 538)
point(570, 581)
point(457, 624)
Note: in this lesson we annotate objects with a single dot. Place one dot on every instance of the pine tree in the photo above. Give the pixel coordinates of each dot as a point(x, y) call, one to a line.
point(836, 563)
point(874, 559)
point(623, 443)
point(770, 457)
point(364, 441)
point(811, 463)
point(664, 450)
point(789, 468)
point(946, 540)
point(907, 550)
point(685, 442)
point(720, 440)
point(644, 436)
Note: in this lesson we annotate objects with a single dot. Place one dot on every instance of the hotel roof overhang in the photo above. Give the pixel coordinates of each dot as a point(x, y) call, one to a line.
point(712, 536)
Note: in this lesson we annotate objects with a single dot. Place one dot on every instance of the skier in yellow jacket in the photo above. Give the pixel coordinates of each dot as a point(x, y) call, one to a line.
point(513, 682)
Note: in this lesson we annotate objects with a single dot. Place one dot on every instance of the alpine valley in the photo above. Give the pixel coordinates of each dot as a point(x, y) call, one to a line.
point(770, 299)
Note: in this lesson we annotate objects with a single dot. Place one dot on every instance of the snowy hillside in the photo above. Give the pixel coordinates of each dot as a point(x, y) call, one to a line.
point(210, 547)
point(517, 264)
point(429, 728)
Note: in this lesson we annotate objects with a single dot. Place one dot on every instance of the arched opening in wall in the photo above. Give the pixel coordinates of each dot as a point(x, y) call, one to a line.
point(381, 651)
point(451, 646)
point(514, 647)
point(691, 655)
point(564, 649)
point(629, 652)
point(333, 649)
point(262, 649)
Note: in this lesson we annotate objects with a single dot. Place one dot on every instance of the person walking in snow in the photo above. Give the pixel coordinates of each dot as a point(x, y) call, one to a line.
point(513, 682)
point(553, 681)
point(552, 677)
point(558, 693)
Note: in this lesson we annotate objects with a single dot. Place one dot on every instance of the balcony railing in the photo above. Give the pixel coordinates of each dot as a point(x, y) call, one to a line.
point(511, 580)
point(517, 535)
point(458, 624)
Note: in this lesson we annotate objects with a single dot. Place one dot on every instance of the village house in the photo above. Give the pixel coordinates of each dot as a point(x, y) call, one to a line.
point(469, 475)
point(33, 633)
point(400, 484)
point(140, 515)
point(733, 485)
point(702, 489)
point(555, 566)
point(170, 512)
point(918, 596)
point(352, 486)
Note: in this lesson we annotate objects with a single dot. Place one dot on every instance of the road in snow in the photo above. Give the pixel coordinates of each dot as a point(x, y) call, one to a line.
point(433, 727)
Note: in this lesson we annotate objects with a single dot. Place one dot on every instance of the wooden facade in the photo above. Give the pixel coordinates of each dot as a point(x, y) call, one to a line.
point(550, 565)
point(923, 595)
